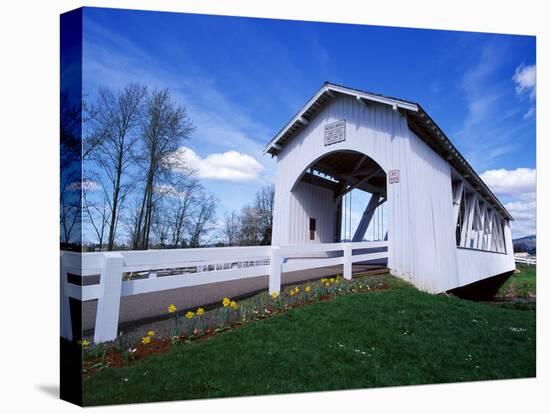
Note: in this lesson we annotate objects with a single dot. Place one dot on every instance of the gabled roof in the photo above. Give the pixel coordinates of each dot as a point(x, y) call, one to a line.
point(419, 122)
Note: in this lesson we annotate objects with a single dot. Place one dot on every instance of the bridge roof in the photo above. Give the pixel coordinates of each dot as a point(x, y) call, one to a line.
point(419, 122)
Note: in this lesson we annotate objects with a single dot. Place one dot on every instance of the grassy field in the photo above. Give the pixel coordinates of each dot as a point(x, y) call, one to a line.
point(397, 336)
point(522, 284)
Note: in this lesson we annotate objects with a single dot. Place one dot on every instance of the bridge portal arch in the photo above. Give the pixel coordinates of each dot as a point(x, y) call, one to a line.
point(340, 196)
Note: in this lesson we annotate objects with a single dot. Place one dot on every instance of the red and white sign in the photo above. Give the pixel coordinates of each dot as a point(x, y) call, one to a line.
point(394, 176)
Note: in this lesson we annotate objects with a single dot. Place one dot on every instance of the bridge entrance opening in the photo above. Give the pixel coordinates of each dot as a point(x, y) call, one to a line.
point(340, 198)
point(343, 195)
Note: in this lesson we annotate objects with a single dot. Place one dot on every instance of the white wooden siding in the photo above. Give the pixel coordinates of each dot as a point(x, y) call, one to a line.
point(311, 201)
point(474, 265)
point(421, 226)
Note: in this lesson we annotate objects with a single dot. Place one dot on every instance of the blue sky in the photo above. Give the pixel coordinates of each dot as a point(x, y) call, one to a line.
point(241, 80)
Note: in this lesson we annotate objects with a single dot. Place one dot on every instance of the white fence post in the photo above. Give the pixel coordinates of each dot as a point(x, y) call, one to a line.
point(347, 261)
point(275, 270)
point(108, 305)
point(66, 328)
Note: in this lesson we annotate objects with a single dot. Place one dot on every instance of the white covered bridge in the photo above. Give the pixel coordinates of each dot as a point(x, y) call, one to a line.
point(427, 216)
point(444, 227)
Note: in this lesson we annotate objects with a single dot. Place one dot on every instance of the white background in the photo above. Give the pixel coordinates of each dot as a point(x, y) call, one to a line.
point(29, 150)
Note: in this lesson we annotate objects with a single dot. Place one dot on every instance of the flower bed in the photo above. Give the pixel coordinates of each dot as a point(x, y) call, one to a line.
point(199, 324)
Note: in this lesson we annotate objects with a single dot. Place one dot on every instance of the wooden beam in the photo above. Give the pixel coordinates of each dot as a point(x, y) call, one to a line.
point(343, 180)
point(363, 171)
point(313, 179)
point(457, 198)
point(468, 218)
point(355, 185)
point(357, 166)
point(366, 218)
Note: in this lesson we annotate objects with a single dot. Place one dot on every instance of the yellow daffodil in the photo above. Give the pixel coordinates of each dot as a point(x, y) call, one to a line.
point(84, 343)
point(274, 295)
point(200, 311)
point(145, 340)
point(190, 315)
point(327, 284)
point(226, 302)
point(172, 308)
point(324, 280)
point(331, 280)
point(308, 288)
point(292, 292)
point(151, 333)
point(233, 305)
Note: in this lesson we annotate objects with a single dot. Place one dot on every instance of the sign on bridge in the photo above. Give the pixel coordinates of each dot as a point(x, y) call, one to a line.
point(335, 132)
point(393, 176)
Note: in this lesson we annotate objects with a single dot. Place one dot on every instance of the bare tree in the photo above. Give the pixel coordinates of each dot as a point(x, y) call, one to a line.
point(114, 126)
point(203, 218)
point(161, 227)
point(97, 214)
point(182, 205)
point(231, 230)
point(70, 210)
point(164, 126)
point(70, 218)
point(251, 227)
point(264, 206)
point(70, 130)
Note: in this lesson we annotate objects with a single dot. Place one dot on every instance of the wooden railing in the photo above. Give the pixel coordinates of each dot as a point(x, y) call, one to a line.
point(526, 260)
point(126, 273)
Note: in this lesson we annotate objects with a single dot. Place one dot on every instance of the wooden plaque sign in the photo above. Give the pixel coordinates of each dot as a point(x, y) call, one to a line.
point(335, 132)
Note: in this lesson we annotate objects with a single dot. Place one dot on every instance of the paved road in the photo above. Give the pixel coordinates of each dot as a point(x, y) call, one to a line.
point(149, 306)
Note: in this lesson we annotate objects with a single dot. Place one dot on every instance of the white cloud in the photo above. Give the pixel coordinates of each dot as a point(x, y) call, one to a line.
point(86, 185)
point(520, 186)
point(525, 78)
point(511, 182)
point(525, 217)
point(530, 113)
point(231, 166)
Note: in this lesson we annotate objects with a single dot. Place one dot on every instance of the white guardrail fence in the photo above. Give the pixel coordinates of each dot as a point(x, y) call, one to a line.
point(526, 260)
point(126, 273)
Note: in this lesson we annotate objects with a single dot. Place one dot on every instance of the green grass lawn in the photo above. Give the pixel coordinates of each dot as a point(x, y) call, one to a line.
point(397, 336)
point(522, 284)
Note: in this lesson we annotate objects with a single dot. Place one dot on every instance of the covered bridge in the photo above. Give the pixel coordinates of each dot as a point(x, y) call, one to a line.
point(444, 227)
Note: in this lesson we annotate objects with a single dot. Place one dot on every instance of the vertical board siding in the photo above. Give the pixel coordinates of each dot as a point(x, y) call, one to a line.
point(434, 257)
point(474, 265)
point(311, 201)
point(421, 229)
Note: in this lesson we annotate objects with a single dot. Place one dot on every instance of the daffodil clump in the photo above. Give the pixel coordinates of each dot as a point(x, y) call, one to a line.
point(172, 310)
point(147, 338)
point(229, 313)
point(191, 324)
point(84, 343)
point(194, 324)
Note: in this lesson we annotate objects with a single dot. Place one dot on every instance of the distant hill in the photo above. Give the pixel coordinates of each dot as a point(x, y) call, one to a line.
point(526, 244)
